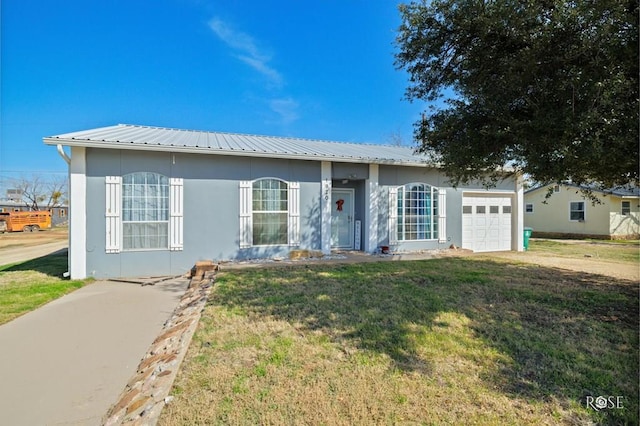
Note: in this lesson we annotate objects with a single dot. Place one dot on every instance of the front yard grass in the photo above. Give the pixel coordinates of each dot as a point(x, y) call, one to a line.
point(616, 251)
point(442, 341)
point(28, 285)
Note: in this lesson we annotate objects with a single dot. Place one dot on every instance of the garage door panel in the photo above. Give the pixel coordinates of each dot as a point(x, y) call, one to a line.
point(486, 223)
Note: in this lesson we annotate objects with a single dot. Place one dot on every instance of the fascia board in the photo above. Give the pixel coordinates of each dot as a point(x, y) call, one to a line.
point(222, 151)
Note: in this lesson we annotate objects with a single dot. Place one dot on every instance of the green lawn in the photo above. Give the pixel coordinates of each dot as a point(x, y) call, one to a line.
point(617, 251)
point(26, 286)
point(442, 341)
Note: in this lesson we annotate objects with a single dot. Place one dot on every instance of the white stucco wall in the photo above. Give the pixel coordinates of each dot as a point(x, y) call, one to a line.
point(628, 224)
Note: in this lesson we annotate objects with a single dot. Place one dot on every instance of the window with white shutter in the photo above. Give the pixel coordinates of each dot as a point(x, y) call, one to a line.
point(393, 215)
point(112, 214)
point(269, 213)
point(442, 216)
point(294, 213)
point(246, 239)
point(176, 214)
point(144, 211)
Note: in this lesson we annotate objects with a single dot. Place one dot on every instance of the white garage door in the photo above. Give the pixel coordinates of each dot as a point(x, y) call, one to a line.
point(486, 223)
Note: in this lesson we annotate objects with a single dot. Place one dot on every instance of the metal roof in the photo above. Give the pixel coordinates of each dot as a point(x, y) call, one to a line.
point(126, 136)
point(620, 191)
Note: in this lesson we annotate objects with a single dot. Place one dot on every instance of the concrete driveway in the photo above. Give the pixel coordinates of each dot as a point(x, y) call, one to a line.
point(67, 362)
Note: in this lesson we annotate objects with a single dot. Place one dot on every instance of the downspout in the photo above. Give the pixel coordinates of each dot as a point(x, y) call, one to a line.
point(63, 154)
point(66, 158)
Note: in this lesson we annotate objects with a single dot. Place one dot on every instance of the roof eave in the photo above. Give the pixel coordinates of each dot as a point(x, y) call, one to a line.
point(221, 151)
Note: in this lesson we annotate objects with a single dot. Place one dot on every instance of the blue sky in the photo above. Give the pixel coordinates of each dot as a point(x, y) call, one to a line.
point(314, 69)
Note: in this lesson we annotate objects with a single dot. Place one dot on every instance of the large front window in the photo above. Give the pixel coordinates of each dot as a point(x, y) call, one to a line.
point(270, 212)
point(417, 212)
point(145, 211)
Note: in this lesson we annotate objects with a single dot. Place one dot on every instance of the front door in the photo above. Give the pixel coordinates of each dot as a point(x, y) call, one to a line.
point(342, 219)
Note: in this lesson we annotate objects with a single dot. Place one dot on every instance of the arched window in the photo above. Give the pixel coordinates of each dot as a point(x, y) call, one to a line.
point(270, 211)
point(417, 212)
point(145, 211)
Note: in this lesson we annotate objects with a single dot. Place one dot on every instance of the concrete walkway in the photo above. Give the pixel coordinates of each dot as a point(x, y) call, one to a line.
point(67, 362)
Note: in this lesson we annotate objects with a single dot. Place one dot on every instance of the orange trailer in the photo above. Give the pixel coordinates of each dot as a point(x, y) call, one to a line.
point(25, 221)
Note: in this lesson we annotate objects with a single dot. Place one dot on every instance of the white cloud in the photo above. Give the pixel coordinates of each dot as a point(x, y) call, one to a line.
point(274, 76)
point(247, 49)
point(287, 109)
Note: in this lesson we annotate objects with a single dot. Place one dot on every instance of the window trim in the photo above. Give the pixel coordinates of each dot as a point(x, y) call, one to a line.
point(526, 210)
point(584, 211)
point(246, 213)
point(166, 209)
point(622, 208)
point(436, 212)
point(274, 212)
point(114, 223)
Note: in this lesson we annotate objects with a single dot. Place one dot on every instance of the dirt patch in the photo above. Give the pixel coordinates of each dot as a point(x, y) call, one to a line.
point(23, 246)
point(29, 239)
point(591, 265)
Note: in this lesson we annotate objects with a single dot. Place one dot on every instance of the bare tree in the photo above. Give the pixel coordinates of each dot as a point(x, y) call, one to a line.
point(395, 138)
point(42, 193)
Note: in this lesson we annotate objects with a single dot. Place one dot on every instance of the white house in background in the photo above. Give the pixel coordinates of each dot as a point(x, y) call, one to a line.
point(153, 201)
point(567, 213)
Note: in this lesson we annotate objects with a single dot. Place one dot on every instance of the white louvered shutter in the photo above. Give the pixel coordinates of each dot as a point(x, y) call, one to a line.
point(112, 214)
point(294, 213)
point(176, 216)
point(393, 215)
point(246, 199)
point(442, 216)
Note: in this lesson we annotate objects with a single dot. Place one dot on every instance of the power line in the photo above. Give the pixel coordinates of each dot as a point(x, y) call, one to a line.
point(32, 171)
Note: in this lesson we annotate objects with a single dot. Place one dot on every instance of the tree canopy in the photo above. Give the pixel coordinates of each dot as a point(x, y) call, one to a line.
point(545, 87)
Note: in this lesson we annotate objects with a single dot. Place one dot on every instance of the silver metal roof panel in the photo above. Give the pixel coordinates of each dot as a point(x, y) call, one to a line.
point(621, 191)
point(126, 136)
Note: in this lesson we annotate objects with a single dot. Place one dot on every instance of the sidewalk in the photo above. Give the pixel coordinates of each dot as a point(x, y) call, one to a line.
point(67, 362)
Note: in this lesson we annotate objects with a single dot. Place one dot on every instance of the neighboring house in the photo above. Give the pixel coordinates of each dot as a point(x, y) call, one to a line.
point(58, 214)
point(567, 213)
point(153, 201)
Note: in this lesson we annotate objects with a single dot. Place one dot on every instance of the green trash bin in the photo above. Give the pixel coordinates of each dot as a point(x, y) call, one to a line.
point(527, 235)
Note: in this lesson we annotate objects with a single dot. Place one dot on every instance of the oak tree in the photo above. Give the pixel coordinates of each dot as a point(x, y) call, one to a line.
point(545, 87)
